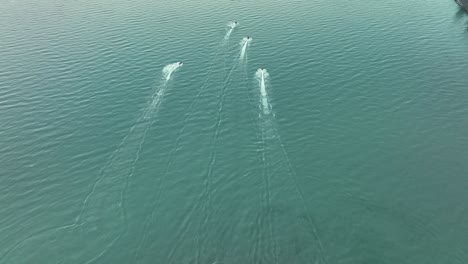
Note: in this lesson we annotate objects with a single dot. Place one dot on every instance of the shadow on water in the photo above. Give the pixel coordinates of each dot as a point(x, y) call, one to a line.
point(459, 14)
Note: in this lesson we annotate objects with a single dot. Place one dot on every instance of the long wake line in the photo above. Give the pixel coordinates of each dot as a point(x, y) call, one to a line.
point(188, 114)
point(152, 109)
point(240, 57)
point(108, 189)
point(244, 44)
point(270, 132)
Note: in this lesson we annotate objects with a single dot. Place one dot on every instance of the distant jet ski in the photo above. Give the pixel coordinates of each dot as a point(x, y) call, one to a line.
point(235, 22)
point(248, 37)
point(181, 63)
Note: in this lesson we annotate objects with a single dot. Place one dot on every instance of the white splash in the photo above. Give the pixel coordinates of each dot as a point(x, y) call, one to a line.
point(167, 72)
point(230, 28)
point(262, 76)
point(169, 69)
point(245, 42)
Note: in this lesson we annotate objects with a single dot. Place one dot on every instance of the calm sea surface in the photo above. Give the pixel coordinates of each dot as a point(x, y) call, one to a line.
point(355, 153)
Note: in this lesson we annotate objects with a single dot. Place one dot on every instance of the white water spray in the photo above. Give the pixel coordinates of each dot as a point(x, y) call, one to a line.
point(167, 72)
point(169, 69)
point(262, 76)
point(245, 42)
point(274, 153)
point(230, 28)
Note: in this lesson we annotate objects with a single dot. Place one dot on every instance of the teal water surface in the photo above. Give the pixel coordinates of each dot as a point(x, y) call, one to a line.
point(354, 153)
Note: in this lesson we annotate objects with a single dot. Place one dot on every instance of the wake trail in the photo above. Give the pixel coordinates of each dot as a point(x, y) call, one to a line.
point(293, 175)
point(148, 112)
point(231, 26)
point(132, 171)
point(188, 116)
point(267, 196)
point(270, 132)
point(139, 133)
point(245, 42)
point(153, 109)
point(250, 99)
point(206, 196)
point(262, 74)
point(122, 202)
point(102, 210)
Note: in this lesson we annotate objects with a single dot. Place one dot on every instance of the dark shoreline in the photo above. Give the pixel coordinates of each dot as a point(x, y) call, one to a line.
point(463, 4)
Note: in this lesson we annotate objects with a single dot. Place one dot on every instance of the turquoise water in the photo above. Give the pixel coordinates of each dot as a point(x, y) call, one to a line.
point(358, 156)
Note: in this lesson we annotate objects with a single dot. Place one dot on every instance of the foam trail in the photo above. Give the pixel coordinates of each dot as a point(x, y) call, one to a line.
point(169, 69)
point(206, 194)
point(188, 115)
point(121, 167)
point(245, 42)
point(230, 27)
point(103, 209)
point(262, 76)
point(271, 139)
point(156, 99)
point(159, 93)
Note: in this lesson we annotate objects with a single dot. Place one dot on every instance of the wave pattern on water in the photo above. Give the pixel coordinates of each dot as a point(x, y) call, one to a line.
point(369, 100)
